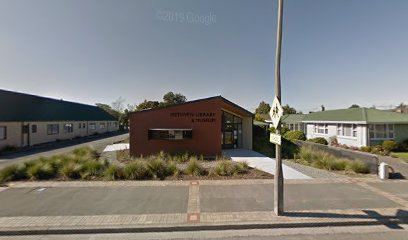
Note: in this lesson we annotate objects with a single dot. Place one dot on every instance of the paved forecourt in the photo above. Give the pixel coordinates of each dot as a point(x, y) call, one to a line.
point(96, 205)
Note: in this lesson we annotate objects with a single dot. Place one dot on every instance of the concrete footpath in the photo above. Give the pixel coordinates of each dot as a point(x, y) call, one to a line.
point(152, 206)
point(262, 162)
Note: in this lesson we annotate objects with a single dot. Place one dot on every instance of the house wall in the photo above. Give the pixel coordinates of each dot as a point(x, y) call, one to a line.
point(358, 141)
point(16, 138)
point(401, 132)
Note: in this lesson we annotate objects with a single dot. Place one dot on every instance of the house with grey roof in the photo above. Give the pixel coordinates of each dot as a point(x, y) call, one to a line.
point(357, 126)
point(294, 122)
point(27, 120)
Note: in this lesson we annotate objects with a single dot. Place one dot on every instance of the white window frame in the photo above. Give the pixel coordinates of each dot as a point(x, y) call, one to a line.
point(92, 126)
point(4, 133)
point(102, 125)
point(53, 129)
point(321, 128)
point(390, 133)
point(68, 128)
point(353, 130)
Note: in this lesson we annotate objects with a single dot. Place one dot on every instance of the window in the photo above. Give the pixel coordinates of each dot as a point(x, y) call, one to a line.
point(92, 126)
point(101, 125)
point(68, 128)
point(347, 130)
point(170, 134)
point(83, 125)
point(381, 131)
point(52, 129)
point(3, 133)
point(321, 129)
point(79, 125)
point(34, 128)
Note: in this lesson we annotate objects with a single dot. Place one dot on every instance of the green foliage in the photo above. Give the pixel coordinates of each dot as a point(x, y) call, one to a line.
point(358, 167)
point(354, 106)
point(171, 98)
point(318, 140)
point(263, 108)
point(71, 170)
point(288, 109)
point(137, 170)
point(314, 157)
point(295, 135)
point(229, 168)
point(365, 148)
point(147, 105)
point(92, 168)
point(12, 173)
point(194, 168)
point(158, 168)
point(41, 170)
point(388, 146)
point(113, 172)
point(259, 118)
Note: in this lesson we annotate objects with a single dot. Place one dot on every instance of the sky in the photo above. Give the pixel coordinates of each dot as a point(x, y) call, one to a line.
point(334, 52)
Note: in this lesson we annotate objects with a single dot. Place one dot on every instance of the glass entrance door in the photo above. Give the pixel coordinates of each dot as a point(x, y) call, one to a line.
point(231, 131)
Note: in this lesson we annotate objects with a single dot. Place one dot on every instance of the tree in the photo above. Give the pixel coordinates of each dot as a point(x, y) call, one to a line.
point(288, 109)
point(109, 110)
point(118, 105)
point(354, 106)
point(171, 98)
point(147, 105)
point(263, 108)
point(259, 118)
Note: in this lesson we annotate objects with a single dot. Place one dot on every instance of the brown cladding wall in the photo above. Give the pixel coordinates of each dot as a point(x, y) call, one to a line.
point(206, 135)
point(202, 116)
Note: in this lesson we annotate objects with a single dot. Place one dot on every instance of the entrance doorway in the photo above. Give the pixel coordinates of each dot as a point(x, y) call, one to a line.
point(231, 131)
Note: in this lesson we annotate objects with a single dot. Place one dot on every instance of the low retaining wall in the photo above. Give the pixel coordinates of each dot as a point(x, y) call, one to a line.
point(370, 159)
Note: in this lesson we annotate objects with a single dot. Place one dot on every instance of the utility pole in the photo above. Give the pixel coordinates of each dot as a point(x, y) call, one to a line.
point(278, 178)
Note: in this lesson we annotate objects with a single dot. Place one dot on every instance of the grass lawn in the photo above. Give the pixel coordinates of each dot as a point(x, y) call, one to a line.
point(402, 155)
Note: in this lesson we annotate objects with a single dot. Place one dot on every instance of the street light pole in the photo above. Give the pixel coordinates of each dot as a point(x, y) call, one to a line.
point(278, 179)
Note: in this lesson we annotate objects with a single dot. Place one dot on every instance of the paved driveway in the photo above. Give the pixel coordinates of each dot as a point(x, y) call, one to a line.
point(262, 162)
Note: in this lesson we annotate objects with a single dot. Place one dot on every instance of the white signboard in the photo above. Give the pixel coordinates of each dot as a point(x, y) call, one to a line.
point(276, 112)
point(275, 138)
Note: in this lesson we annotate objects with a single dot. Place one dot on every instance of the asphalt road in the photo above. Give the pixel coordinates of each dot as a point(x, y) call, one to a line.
point(98, 143)
point(379, 232)
point(109, 200)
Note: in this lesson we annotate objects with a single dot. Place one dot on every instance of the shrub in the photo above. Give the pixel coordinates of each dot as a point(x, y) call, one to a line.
point(12, 172)
point(158, 167)
point(194, 168)
point(388, 146)
point(229, 168)
point(365, 149)
point(92, 168)
point(318, 140)
point(319, 159)
point(71, 170)
point(295, 135)
point(41, 170)
point(113, 172)
point(137, 170)
point(357, 166)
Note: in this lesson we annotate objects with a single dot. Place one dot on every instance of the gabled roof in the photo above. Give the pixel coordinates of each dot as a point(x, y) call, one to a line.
point(365, 115)
point(292, 118)
point(226, 101)
point(16, 106)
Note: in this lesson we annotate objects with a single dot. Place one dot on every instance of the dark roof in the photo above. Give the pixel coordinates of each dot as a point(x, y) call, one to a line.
point(16, 106)
point(367, 115)
point(198, 100)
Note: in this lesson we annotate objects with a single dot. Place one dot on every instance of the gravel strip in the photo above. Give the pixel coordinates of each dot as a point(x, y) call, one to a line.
point(312, 172)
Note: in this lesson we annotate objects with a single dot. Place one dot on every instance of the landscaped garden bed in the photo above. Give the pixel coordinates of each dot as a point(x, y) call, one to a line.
point(85, 164)
point(311, 156)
